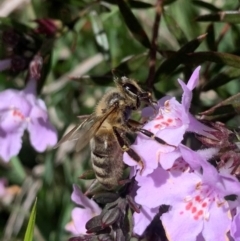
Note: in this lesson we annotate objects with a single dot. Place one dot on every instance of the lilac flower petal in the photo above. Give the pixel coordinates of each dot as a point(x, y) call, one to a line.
point(179, 225)
point(214, 229)
point(235, 226)
point(80, 216)
point(70, 227)
point(5, 97)
point(151, 184)
point(11, 122)
point(30, 90)
point(148, 155)
point(199, 128)
point(143, 219)
point(187, 89)
point(10, 143)
point(172, 136)
point(13, 99)
point(210, 174)
point(230, 186)
point(149, 111)
point(191, 157)
point(175, 185)
point(187, 95)
point(42, 132)
point(79, 198)
point(194, 79)
point(167, 159)
point(200, 237)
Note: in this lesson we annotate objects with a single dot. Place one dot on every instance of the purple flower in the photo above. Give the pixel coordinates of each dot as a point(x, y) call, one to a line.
point(80, 216)
point(170, 124)
point(195, 192)
point(235, 231)
point(20, 110)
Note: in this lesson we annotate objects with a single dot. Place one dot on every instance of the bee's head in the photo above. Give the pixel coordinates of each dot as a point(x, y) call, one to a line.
point(133, 92)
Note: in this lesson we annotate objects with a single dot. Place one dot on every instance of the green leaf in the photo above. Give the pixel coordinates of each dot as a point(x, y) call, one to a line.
point(133, 24)
point(17, 169)
point(31, 223)
point(206, 5)
point(168, 2)
point(210, 39)
point(216, 57)
point(100, 34)
point(227, 17)
point(227, 107)
point(6, 23)
point(129, 65)
point(175, 29)
point(133, 4)
point(222, 78)
point(169, 65)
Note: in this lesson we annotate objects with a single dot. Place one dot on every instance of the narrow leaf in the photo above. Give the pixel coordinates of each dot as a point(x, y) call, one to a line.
point(222, 78)
point(133, 4)
point(169, 65)
point(100, 34)
point(6, 23)
point(133, 24)
point(168, 2)
point(17, 169)
point(129, 65)
point(31, 223)
point(227, 17)
point(206, 5)
point(216, 57)
point(175, 29)
point(227, 107)
point(211, 38)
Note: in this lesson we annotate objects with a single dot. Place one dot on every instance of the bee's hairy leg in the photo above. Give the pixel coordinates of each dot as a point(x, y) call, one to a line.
point(152, 136)
point(121, 139)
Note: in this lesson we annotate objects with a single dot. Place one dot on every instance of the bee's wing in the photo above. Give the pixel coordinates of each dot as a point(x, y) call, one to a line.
point(84, 132)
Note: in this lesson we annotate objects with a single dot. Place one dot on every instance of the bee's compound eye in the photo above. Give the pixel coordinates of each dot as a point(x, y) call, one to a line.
point(131, 88)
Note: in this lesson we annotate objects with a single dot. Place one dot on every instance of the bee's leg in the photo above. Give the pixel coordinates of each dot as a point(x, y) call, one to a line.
point(152, 136)
point(123, 143)
point(136, 126)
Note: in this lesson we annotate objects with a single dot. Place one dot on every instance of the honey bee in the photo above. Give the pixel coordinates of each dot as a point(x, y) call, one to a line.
point(106, 131)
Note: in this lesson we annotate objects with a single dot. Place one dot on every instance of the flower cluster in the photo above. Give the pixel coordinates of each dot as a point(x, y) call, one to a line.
point(20, 110)
point(198, 195)
point(202, 199)
point(80, 216)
